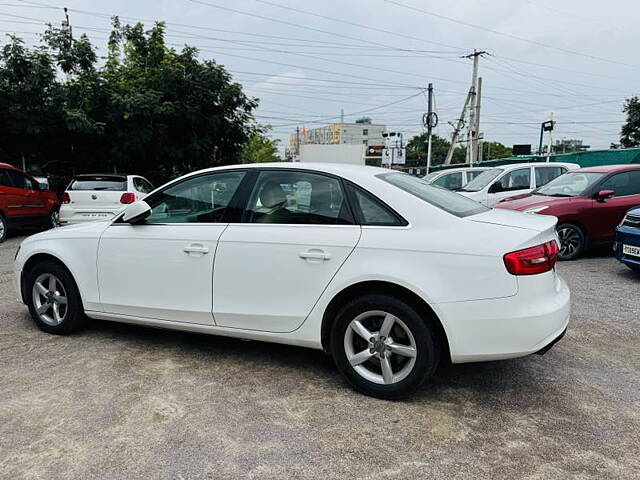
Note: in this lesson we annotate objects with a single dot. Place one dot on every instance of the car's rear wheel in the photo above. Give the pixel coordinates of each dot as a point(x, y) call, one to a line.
point(54, 218)
point(3, 228)
point(572, 241)
point(383, 346)
point(53, 299)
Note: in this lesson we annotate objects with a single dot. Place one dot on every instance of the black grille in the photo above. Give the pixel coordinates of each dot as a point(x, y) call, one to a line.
point(632, 221)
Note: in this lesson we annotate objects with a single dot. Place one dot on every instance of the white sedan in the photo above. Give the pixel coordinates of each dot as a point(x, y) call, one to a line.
point(380, 269)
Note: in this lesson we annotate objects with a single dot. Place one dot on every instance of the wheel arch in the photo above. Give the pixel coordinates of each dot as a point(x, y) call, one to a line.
point(386, 288)
point(35, 259)
point(577, 223)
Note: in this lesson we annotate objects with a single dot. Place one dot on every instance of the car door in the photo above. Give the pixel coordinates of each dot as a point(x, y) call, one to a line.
point(608, 214)
point(511, 183)
point(271, 269)
point(27, 202)
point(163, 268)
point(12, 199)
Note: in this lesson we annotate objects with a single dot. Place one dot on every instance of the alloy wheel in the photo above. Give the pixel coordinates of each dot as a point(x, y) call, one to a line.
point(380, 347)
point(50, 299)
point(3, 228)
point(570, 241)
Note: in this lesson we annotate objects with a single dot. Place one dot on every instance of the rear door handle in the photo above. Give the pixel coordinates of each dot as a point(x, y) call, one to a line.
point(196, 248)
point(315, 254)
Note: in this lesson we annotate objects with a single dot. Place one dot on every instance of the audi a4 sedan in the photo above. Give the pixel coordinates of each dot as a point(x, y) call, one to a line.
point(589, 203)
point(383, 271)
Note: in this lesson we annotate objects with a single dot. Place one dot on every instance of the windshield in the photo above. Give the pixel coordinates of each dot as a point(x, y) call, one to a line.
point(482, 180)
point(446, 200)
point(569, 185)
point(431, 176)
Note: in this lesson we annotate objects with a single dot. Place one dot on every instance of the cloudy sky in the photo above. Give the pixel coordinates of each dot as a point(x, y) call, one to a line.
point(307, 60)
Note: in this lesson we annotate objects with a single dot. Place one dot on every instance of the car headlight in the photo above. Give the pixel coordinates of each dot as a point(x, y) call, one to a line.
point(536, 209)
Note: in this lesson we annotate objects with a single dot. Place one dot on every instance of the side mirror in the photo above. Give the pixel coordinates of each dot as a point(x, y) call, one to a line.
point(136, 212)
point(495, 188)
point(602, 195)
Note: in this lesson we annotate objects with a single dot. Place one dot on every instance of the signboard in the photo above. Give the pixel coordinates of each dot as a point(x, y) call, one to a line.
point(386, 156)
point(374, 151)
point(394, 156)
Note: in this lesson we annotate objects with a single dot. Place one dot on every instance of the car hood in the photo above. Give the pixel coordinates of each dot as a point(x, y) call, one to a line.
point(523, 202)
point(83, 230)
point(527, 221)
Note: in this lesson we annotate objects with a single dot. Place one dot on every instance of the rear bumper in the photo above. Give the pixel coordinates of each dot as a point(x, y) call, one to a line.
point(70, 215)
point(501, 328)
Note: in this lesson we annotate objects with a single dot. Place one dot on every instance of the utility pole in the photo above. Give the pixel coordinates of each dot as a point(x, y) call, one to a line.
point(430, 121)
point(298, 141)
point(476, 154)
point(457, 129)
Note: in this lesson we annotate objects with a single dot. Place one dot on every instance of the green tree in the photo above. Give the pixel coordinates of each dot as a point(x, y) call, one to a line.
point(493, 150)
point(260, 149)
point(630, 133)
point(417, 151)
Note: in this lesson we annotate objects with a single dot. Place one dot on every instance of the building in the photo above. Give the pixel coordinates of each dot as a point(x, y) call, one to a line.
point(361, 132)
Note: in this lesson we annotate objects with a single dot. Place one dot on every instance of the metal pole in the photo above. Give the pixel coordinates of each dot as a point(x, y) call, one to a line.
point(550, 139)
point(429, 126)
point(457, 129)
point(472, 139)
point(476, 154)
point(541, 138)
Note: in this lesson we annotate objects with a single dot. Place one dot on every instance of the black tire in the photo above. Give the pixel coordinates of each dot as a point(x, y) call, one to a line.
point(572, 241)
point(3, 228)
point(54, 218)
point(72, 314)
point(427, 347)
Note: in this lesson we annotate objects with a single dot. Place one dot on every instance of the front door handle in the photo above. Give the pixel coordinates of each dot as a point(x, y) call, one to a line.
point(196, 248)
point(315, 254)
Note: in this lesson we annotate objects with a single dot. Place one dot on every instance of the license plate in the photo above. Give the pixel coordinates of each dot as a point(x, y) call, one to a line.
point(95, 215)
point(631, 250)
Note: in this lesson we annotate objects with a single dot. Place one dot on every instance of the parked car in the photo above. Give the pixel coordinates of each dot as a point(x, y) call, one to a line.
point(499, 183)
point(100, 196)
point(588, 203)
point(24, 203)
point(627, 244)
point(371, 265)
point(454, 178)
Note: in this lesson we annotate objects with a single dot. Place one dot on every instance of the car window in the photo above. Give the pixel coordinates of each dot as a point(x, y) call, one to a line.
point(201, 199)
point(451, 181)
point(519, 179)
point(472, 174)
point(482, 180)
point(297, 198)
point(20, 180)
point(109, 183)
point(446, 200)
point(142, 185)
point(624, 183)
point(545, 174)
point(371, 211)
point(431, 176)
point(5, 180)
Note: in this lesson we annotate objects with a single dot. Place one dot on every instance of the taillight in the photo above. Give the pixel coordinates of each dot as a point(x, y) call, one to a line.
point(127, 197)
point(66, 198)
point(532, 260)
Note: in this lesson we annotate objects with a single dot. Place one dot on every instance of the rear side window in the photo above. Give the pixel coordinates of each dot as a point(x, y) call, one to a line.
point(5, 181)
point(371, 211)
point(625, 183)
point(106, 183)
point(446, 200)
point(545, 174)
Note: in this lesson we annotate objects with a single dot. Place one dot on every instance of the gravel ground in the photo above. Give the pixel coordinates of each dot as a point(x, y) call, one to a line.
point(118, 401)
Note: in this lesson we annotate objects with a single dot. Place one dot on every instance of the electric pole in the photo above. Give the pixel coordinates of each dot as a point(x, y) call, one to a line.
point(298, 142)
point(429, 121)
point(474, 117)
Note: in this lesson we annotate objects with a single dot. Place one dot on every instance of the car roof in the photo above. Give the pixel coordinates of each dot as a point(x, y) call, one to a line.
point(538, 164)
point(610, 168)
point(462, 169)
point(119, 175)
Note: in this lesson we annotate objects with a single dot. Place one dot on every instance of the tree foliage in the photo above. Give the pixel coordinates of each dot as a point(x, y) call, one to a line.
point(260, 149)
point(417, 151)
point(147, 108)
point(630, 133)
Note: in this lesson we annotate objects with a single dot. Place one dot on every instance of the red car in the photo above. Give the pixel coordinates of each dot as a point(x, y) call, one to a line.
point(589, 204)
point(25, 203)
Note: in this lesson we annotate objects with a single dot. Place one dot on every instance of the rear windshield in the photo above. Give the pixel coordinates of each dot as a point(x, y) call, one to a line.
point(99, 182)
point(446, 200)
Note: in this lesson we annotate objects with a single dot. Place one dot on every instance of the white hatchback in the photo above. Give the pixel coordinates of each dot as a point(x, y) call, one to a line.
point(100, 197)
point(454, 178)
point(380, 269)
point(506, 181)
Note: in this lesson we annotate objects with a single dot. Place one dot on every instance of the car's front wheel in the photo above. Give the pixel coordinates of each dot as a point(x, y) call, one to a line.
point(383, 346)
point(53, 299)
point(572, 241)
